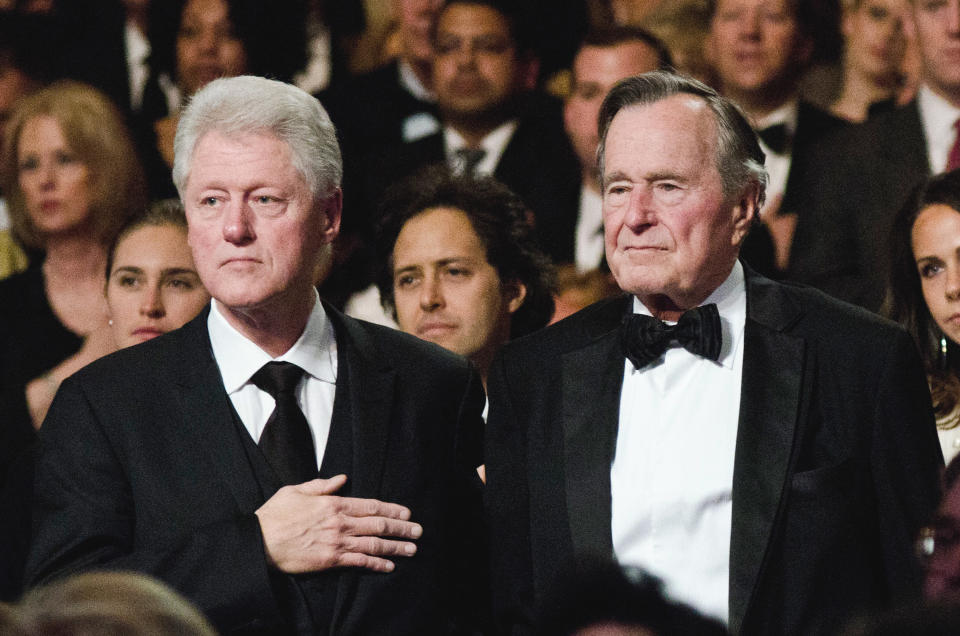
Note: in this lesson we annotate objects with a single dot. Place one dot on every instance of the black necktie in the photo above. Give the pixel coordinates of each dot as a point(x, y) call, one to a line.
point(776, 137)
point(286, 441)
point(469, 158)
point(645, 338)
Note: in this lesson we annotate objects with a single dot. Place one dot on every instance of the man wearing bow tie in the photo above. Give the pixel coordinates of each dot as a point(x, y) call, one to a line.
point(767, 451)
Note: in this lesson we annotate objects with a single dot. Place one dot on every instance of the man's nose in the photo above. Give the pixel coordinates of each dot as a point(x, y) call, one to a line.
point(640, 210)
point(431, 294)
point(238, 223)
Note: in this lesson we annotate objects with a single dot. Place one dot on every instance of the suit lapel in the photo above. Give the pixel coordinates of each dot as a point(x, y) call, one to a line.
point(591, 380)
point(769, 406)
point(208, 413)
point(371, 387)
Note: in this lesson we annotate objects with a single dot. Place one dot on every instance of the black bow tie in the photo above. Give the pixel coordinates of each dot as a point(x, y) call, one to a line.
point(645, 338)
point(776, 137)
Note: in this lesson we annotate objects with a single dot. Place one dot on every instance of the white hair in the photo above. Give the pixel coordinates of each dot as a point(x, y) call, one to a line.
point(249, 105)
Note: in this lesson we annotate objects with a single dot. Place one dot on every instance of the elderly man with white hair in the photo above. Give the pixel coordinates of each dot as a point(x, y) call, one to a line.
point(288, 469)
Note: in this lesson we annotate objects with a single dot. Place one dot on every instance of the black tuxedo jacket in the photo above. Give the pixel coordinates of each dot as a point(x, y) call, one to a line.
point(854, 182)
point(836, 464)
point(537, 164)
point(142, 466)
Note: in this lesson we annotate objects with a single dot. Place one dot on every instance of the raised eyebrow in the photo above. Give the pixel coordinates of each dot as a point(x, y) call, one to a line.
point(406, 270)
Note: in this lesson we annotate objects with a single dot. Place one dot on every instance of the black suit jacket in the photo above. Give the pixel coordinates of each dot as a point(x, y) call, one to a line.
point(836, 463)
point(142, 466)
point(537, 164)
point(853, 184)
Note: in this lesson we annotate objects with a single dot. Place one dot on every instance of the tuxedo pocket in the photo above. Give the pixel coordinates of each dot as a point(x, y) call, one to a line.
point(833, 477)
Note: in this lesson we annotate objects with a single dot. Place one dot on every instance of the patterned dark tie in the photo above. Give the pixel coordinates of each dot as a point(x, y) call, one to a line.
point(953, 159)
point(645, 338)
point(468, 159)
point(286, 441)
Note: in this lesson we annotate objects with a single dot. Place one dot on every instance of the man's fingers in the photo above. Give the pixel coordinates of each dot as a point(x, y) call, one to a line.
point(355, 507)
point(381, 527)
point(358, 560)
point(322, 486)
point(375, 546)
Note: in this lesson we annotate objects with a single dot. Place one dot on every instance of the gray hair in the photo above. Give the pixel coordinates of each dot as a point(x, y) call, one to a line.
point(247, 104)
point(739, 157)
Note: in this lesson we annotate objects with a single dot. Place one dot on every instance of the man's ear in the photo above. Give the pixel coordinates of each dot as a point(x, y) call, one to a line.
point(746, 211)
point(515, 292)
point(331, 215)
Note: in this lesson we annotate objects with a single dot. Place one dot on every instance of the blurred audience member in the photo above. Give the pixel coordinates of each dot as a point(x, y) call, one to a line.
point(599, 597)
point(394, 103)
point(926, 619)
point(605, 57)
point(72, 179)
point(152, 284)
point(151, 288)
point(759, 50)
point(937, 543)
point(924, 292)
point(875, 45)
point(576, 290)
point(97, 603)
point(858, 178)
point(493, 122)
point(458, 264)
point(207, 39)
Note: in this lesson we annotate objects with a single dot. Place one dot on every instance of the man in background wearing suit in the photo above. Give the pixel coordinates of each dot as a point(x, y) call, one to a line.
point(493, 122)
point(767, 451)
point(860, 177)
point(286, 468)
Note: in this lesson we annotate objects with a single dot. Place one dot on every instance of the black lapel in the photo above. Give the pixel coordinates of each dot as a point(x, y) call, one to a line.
point(207, 411)
point(770, 399)
point(590, 385)
point(371, 387)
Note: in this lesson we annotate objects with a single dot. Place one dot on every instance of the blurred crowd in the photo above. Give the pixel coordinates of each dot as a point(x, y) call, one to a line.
point(856, 104)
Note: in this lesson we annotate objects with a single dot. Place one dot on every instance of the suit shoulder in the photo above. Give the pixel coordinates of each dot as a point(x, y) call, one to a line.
point(823, 313)
point(573, 332)
point(403, 349)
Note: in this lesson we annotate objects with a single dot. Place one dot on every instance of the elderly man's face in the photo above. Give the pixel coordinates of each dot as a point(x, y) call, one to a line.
point(753, 44)
point(475, 69)
point(668, 228)
point(255, 229)
point(938, 35)
point(595, 70)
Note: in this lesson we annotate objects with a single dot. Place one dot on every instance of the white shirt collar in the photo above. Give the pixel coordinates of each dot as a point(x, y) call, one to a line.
point(494, 143)
point(787, 114)
point(938, 116)
point(412, 84)
point(239, 358)
point(731, 300)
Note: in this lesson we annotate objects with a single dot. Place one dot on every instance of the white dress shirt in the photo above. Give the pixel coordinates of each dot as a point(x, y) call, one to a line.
point(778, 164)
point(938, 117)
point(315, 352)
point(494, 143)
point(138, 71)
point(672, 475)
point(588, 248)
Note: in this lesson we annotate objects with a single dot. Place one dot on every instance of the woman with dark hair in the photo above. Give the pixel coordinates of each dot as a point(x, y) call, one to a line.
point(152, 284)
point(874, 49)
point(923, 293)
point(201, 40)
